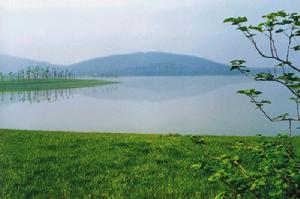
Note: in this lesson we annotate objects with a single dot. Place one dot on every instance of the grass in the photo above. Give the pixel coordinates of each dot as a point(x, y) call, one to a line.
point(42, 84)
point(43, 164)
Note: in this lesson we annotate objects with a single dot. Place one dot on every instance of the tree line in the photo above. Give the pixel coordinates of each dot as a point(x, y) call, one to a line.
point(37, 72)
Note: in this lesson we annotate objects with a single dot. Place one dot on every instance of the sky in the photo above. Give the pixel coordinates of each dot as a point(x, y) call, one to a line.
point(68, 31)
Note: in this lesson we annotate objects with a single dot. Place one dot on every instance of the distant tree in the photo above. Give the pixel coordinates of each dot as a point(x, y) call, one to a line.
point(47, 71)
point(43, 73)
point(38, 72)
point(28, 72)
point(285, 72)
point(11, 75)
point(22, 74)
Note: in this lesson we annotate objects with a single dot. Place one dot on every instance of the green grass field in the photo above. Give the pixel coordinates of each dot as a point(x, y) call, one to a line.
point(102, 165)
point(21, 85)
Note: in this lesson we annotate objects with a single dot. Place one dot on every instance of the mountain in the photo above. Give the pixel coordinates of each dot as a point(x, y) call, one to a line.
point(150, 64)
point(134, 64)
point(9, 63)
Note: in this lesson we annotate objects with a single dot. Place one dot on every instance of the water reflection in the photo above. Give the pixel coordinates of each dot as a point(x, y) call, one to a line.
point(154, 89)
point(35, 96)
point(159, 89)
point(99, 91)
point(188, 105)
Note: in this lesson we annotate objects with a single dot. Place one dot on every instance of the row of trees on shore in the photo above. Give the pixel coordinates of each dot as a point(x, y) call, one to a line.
point(38, 72)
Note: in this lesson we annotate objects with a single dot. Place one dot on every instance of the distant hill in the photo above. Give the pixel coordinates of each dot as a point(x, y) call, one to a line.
point(150, 64)
point(9, 63)
point(135, 64)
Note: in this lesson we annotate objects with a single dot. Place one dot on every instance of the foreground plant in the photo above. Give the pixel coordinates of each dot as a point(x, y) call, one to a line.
point(276, 175)
point(284, 72)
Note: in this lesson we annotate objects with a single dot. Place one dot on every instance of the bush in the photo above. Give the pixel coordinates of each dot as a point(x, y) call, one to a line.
point(277, 174)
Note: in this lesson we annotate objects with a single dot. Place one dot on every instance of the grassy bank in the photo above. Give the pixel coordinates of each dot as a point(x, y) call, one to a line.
point(79, 165)
point(21, 85)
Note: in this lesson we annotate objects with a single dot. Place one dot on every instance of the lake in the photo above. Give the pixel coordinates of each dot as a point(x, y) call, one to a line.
point(185, 105)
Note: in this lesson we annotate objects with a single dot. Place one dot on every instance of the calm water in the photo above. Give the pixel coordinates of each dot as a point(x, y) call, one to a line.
point(186, 105)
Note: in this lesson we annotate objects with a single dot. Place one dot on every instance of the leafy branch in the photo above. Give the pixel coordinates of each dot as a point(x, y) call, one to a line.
point(285, 72)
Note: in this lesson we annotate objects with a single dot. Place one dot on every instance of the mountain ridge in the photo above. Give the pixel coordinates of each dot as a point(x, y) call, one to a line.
point(11, 63)
point(151, 63)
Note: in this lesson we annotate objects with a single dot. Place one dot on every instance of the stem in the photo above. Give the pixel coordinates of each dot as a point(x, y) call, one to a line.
point(261, 109)
point(290, 127)
point(297, 108)
point(250, 37)
point(289, 45)
point(242, 169)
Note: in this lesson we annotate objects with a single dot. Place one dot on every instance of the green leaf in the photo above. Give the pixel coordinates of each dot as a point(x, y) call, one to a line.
point(236, 21)
point(297, 33)
point(281, 13)
point(238, 61)
point(242, 28)
point(235, 158)
point(265, 102)
point(279, 31)
point(238, 65)
point(196, 166)
point(297, 23)
point(296, 48)
point(281, 117)
point(230, 19)
point(250, 92)
point(261, 183)
point(264, 76)
point(253, 186)
point(257, 28)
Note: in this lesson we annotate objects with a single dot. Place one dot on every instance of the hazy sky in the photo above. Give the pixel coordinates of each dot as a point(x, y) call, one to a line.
point(67, 31)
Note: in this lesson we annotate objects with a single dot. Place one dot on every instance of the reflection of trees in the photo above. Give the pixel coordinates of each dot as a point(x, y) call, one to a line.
point(35, 96)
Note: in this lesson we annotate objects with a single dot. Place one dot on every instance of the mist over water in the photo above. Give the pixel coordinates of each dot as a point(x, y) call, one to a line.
point(185, 105)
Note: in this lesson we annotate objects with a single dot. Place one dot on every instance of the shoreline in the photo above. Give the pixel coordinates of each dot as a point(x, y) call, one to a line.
point(50, 84)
